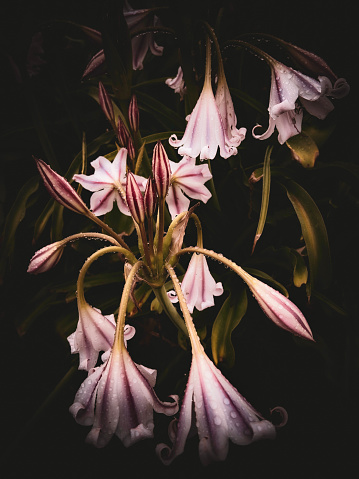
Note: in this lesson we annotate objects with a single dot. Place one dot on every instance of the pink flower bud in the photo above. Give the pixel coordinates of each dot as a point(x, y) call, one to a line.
point(150, 198)
point(60, 189)
point(46, 258)
point(130, 148)
point(161, 170)
point(134, 199)
point(105, 103)
point(133, 114)
point(122, 133)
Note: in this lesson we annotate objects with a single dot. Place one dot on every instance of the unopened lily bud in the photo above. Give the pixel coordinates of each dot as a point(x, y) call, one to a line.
point(60, 189)
point(161, 170)
point(134, 199)
point(105, 103)
point(133, 114)
point(279, 309)
point(130, 148)
point(122, 133)
point(46, 258)
point(150, 198)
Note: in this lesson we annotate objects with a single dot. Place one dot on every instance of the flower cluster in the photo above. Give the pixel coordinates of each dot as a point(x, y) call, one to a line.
point(118, 396)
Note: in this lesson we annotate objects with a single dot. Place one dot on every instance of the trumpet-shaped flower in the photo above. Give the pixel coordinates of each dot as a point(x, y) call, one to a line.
point(189, 178)
point(205, 131)
point(108, 184)
point(94, 333)
point(177, 83)
point(289, 86)
point(220, 414)
point(117, 398)
point(198, 285)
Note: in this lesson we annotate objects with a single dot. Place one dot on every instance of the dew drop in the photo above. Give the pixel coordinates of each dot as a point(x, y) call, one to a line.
point(217, 421)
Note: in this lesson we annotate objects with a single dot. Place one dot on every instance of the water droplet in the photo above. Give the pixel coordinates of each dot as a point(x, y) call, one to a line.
point(217, 421)
point(226, 401)
point(233, 414)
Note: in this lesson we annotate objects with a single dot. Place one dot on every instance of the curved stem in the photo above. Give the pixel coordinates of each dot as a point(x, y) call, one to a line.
point(119, 334)
point(169, 309)
point(109, 230)
point(91, 259)
point(192, 333)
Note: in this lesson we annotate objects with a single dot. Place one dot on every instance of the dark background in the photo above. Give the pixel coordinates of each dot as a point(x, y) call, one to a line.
point(317, 387)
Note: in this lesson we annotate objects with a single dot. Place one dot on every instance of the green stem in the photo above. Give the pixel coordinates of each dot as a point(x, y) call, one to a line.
point(109, 230)
point(169, 309)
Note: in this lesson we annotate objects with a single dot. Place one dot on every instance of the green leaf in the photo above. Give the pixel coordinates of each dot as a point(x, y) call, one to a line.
point(300, 270)
point(265, 196)
point(13, 219)
point(303, 149)
point(141, 294)
point(228, 318)
point(167, 117)
point(314, 234)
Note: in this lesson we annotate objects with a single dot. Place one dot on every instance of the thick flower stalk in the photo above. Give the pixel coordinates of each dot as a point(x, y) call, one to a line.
point(213, 404)
point(108, 184)
point(206, 130)
point(117, 398)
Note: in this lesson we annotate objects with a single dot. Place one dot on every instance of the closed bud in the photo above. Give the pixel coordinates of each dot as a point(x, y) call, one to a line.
point(122, 133)
point(105, 103)
point(133, 114)
point(130, 148)
point(150, 198)
point(60, 189)
point(161, 170)
point(134, 199)
point(46, 258)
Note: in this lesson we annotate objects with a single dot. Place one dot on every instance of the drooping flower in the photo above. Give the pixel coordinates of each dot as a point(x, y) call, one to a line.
point(108, 183)
point(213, 405)
point(289, 90)
point(205, 131)
point(177, 83)
point(226, 110)
point(117, 398)
point(140, 20)
point(188, 178)
point(198, 285)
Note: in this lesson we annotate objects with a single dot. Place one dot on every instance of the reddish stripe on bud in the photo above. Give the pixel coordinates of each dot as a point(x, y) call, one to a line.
point(60, 189)
point(150, 198)
point(105, 103)
point(122, 133)
point(161, 170)
point(134, 199)
point(130, 148)
point(133, 114)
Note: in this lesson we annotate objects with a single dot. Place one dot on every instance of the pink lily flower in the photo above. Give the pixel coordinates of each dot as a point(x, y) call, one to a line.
point(206, 130)
point(189, 178)
point(210, 402)
point(117, 398)
point(289, 86)
point(94, 333)
point(177, 83)
point(198, 285)
point(108, 184)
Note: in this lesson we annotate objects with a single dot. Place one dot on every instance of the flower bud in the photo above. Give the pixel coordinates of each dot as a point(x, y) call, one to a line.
point(161, 170)
point(130, 148)
point(60, 189)
point(122, 133)
point(46, 258)
point(133, 114)
point(105, 103)
point(150, 198)
point(279, 309)
point(134, 199)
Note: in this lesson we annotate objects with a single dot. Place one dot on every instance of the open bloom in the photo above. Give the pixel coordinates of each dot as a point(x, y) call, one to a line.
point(198, 285)
point(118, 398)
point(108, 183)
point(189, 178)
point(217, 409)
point(94, 333)
point(288, 88)
point(177, 83)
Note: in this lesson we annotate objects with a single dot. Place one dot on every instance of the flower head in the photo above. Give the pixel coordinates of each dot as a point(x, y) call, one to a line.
point(118, 398)
point(198, 285)
point(288, 88)
point(177, 83)
point(108, 184)
point(189, 178)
